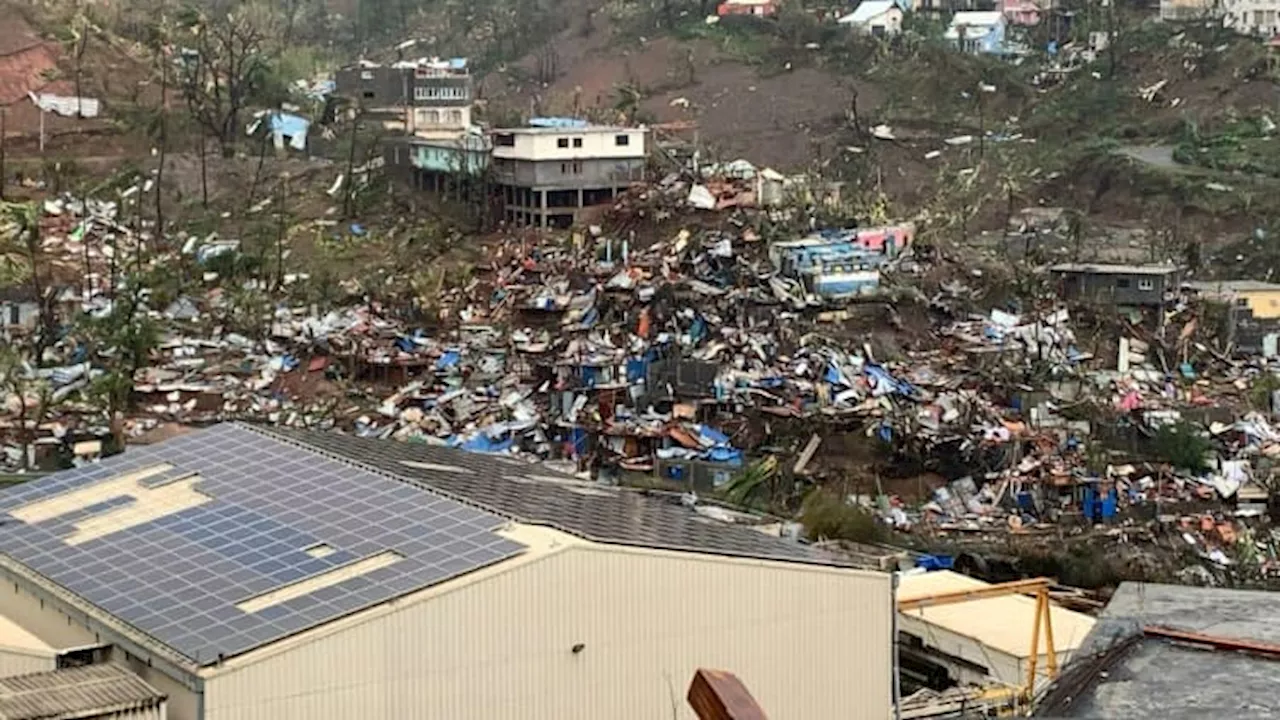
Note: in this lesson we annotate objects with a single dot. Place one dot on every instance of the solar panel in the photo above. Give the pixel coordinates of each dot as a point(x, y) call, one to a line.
point(525, 492)
point(179, 576)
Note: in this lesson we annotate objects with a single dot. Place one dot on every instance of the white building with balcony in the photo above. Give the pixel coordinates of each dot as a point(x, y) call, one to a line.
point(554, 168)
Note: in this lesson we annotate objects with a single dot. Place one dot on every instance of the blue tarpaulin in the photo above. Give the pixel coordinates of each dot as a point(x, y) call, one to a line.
point(557, 122)
point(935, 562)
point(284, 125)
point(729, 455)
point(449, 359)
point(833, 375)
point(882, 377)
point(636, 370)
point(482, 443)
point(711, 435)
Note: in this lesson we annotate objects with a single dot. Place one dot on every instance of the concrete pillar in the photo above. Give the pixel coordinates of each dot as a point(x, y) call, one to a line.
point(580, 199)
point(542, 208)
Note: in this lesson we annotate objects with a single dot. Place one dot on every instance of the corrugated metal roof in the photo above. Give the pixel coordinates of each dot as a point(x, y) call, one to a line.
point(1002, 623)
point(1113, 269)
point(74, 693)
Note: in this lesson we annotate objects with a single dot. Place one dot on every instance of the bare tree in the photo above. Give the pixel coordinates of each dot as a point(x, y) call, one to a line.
point(224, 64)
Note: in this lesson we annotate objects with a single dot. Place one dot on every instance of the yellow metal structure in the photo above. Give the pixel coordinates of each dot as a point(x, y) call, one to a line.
point(1037, 587)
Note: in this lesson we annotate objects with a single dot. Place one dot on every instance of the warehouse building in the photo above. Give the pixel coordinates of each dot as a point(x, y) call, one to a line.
point(246, 573)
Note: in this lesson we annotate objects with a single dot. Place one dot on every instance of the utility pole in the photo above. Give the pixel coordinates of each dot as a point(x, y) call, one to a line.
point(4, 174)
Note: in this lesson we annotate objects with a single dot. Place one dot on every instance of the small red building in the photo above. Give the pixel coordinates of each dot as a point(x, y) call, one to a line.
point(747, 7)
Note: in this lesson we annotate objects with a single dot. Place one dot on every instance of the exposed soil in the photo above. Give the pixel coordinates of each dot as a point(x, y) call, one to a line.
point(787, 121)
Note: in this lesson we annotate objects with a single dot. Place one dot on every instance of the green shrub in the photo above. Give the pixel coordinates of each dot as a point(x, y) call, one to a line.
point(1182, 445)
point(825, 515)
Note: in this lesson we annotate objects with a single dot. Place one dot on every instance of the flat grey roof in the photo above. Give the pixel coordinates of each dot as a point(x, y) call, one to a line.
point(1108, 269)
point(1153, 679)
point(1231, 285)
point(533, 495)
point(90, 691)
point(569, 130)
point(262, 517)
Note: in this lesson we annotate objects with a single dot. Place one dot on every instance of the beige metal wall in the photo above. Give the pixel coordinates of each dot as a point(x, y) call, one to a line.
point(810, 643)
point(20, 661)
point(50, 625)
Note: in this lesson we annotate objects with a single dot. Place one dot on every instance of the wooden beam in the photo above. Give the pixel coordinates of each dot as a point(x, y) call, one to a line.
point(1217, 642)
point(1017, 587)
point(720, 695)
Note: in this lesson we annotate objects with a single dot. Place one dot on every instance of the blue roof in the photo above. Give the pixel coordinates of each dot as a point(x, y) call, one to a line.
point(180, 577)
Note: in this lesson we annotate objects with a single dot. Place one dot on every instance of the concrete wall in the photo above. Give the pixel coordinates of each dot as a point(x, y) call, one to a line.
point(1265, 304)
point(456, 118)
point(810, 643)
point(556, 174)
point(375, 87)
point(578, 144)
point(1114, 288)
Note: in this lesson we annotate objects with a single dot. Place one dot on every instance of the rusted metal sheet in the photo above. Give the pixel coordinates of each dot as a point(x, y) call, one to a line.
point(720, 695)
point(1216, 642)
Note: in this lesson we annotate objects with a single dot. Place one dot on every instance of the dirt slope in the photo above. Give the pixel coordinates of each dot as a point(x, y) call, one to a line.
point(785, 120)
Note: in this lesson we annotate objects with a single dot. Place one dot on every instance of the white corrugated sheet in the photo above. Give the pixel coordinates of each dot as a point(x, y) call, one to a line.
point(67, 106)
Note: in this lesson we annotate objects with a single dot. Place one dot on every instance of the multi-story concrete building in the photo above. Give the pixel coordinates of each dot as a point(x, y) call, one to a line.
point(548, 172)
point(1252, 17)
point(429, 98)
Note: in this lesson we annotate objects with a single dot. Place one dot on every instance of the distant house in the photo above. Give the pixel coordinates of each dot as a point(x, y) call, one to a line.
point(760, 8)
point(19, 311)
point(429, 163)
point(1024, 12)
point(1262, 298)
point(1188, 10)
point(978, 32)
point(1253, 320)
point(878, 18)
point(1251, 17)
point(1124, 285)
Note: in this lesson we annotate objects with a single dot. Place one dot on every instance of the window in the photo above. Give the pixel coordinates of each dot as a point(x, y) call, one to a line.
point(562, 142)
point(368, 94)
point(1122, 283)
point(455, 117)
point(1257, 17)
point(433, 118)
point(420, 93)
point(504, 140)
point(577, 142)
point(622, 140)
point(366, 74)
point(1146, 284)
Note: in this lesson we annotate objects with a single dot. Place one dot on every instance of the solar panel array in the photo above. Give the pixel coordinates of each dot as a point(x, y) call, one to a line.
point(534, 495)
point(179, 577)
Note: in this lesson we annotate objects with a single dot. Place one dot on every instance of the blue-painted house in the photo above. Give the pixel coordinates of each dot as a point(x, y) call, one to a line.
point(431, 163)
point(978, 32)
